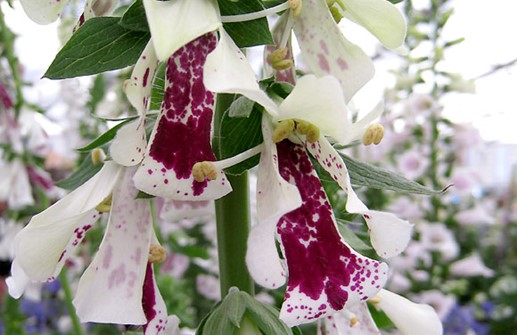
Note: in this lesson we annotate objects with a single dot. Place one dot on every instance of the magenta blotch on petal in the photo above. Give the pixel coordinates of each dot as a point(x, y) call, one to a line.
point(324, 272)
point(154, 307)
point(181, 136)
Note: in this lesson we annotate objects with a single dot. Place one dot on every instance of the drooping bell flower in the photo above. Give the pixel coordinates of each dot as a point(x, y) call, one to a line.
point(181, 135)
point(118, 286)
point(43, 246)
point(324, 272)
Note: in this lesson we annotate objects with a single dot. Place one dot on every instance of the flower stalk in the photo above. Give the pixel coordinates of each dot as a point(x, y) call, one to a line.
point(233, 223)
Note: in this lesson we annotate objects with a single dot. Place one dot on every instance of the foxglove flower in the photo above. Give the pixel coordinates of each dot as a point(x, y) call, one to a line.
point(324, 273)
point(181, 135)
point(320, 102)
point(62, 226)
point(327, 51)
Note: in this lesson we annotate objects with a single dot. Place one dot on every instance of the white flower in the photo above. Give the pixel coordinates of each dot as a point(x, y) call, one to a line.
point(436, 237)
point(471, 266)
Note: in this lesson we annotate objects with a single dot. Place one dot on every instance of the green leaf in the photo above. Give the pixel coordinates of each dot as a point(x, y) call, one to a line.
point(266, 317)
point(106, 137)
point(351, 237)
point(220, 322)
point(364, 174)
point(143, 195)
point(249, 33)
point(99, 45)
point(158, 90)
point(237, 135)
point(83, 173)
point(97, 92)
point(134, 18)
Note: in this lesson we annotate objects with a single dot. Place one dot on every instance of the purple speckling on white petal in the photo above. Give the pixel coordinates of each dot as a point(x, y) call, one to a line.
point(324, 272)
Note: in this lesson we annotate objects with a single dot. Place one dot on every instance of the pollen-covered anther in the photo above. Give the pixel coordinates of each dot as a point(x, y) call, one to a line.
point(98, 156)
point(373, 134)
point(354, 321)
point(278, 59)
point(283, 129)
point(204, 170)
point(157, 254)
point(296, 7)
point(308, 129)
point(375, 300)
point(105, 205)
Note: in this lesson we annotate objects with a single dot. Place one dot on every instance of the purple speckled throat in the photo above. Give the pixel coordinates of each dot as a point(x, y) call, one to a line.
point(324, 272)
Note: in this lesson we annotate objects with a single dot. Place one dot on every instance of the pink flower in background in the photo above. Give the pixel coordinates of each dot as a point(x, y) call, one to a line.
point(471, 266)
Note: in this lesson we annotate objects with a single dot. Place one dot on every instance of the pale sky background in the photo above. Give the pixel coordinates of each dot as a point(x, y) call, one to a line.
point(489, 32)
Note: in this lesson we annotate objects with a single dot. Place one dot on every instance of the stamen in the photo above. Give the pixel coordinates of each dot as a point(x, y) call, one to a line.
point(283, 130)
point(336, 13)
point(375, 300)
point(204, 170)
point(157, 253)
point(296, 6)
point(310, 130)
point(255, 15)
point(278, 59)
point(354, 321)
point(105, 205)
point(373, 134)
point(98, 156)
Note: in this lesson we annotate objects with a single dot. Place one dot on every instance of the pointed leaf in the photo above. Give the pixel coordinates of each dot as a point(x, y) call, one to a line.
point(106, 137)
point(134, 18)
point(250, 33)
point(101, 44)
point(364, 174)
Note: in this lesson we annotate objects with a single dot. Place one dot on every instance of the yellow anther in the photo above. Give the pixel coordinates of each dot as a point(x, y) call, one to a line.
point(278, 59)
point(296, 6)
point(354, 321)
point(373, 134)
point(375, 300)
point(336, 13)
point(310, 130)
point(157, 254)
point(283, 130)
point(204, 170)
point(98, 156)
point(105, 205)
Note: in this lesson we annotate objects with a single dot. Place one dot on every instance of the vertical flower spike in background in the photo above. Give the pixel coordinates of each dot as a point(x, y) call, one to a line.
point(181, 135)
point(324, 273)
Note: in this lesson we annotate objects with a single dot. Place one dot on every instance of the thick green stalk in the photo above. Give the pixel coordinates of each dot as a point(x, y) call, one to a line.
point(233, 222)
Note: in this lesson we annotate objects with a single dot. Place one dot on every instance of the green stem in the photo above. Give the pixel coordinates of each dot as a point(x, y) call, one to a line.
point(233, 222)
point(76, 324)
point(8, 43)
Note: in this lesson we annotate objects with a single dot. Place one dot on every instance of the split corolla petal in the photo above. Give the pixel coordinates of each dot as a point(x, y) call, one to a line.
point(327, 51)
point(275, 197)
point(389, 234)
point(155, 310)
point(228, 71)
point(325, 274)
point(18, 281)
point(380, 17)
point(110, 290)
point(176, 23)
point(181, 135)
point(409, 316)
point(319, 101)
point(44, 11)
point(43, 246)
point(139, 86)
point(128, 146)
